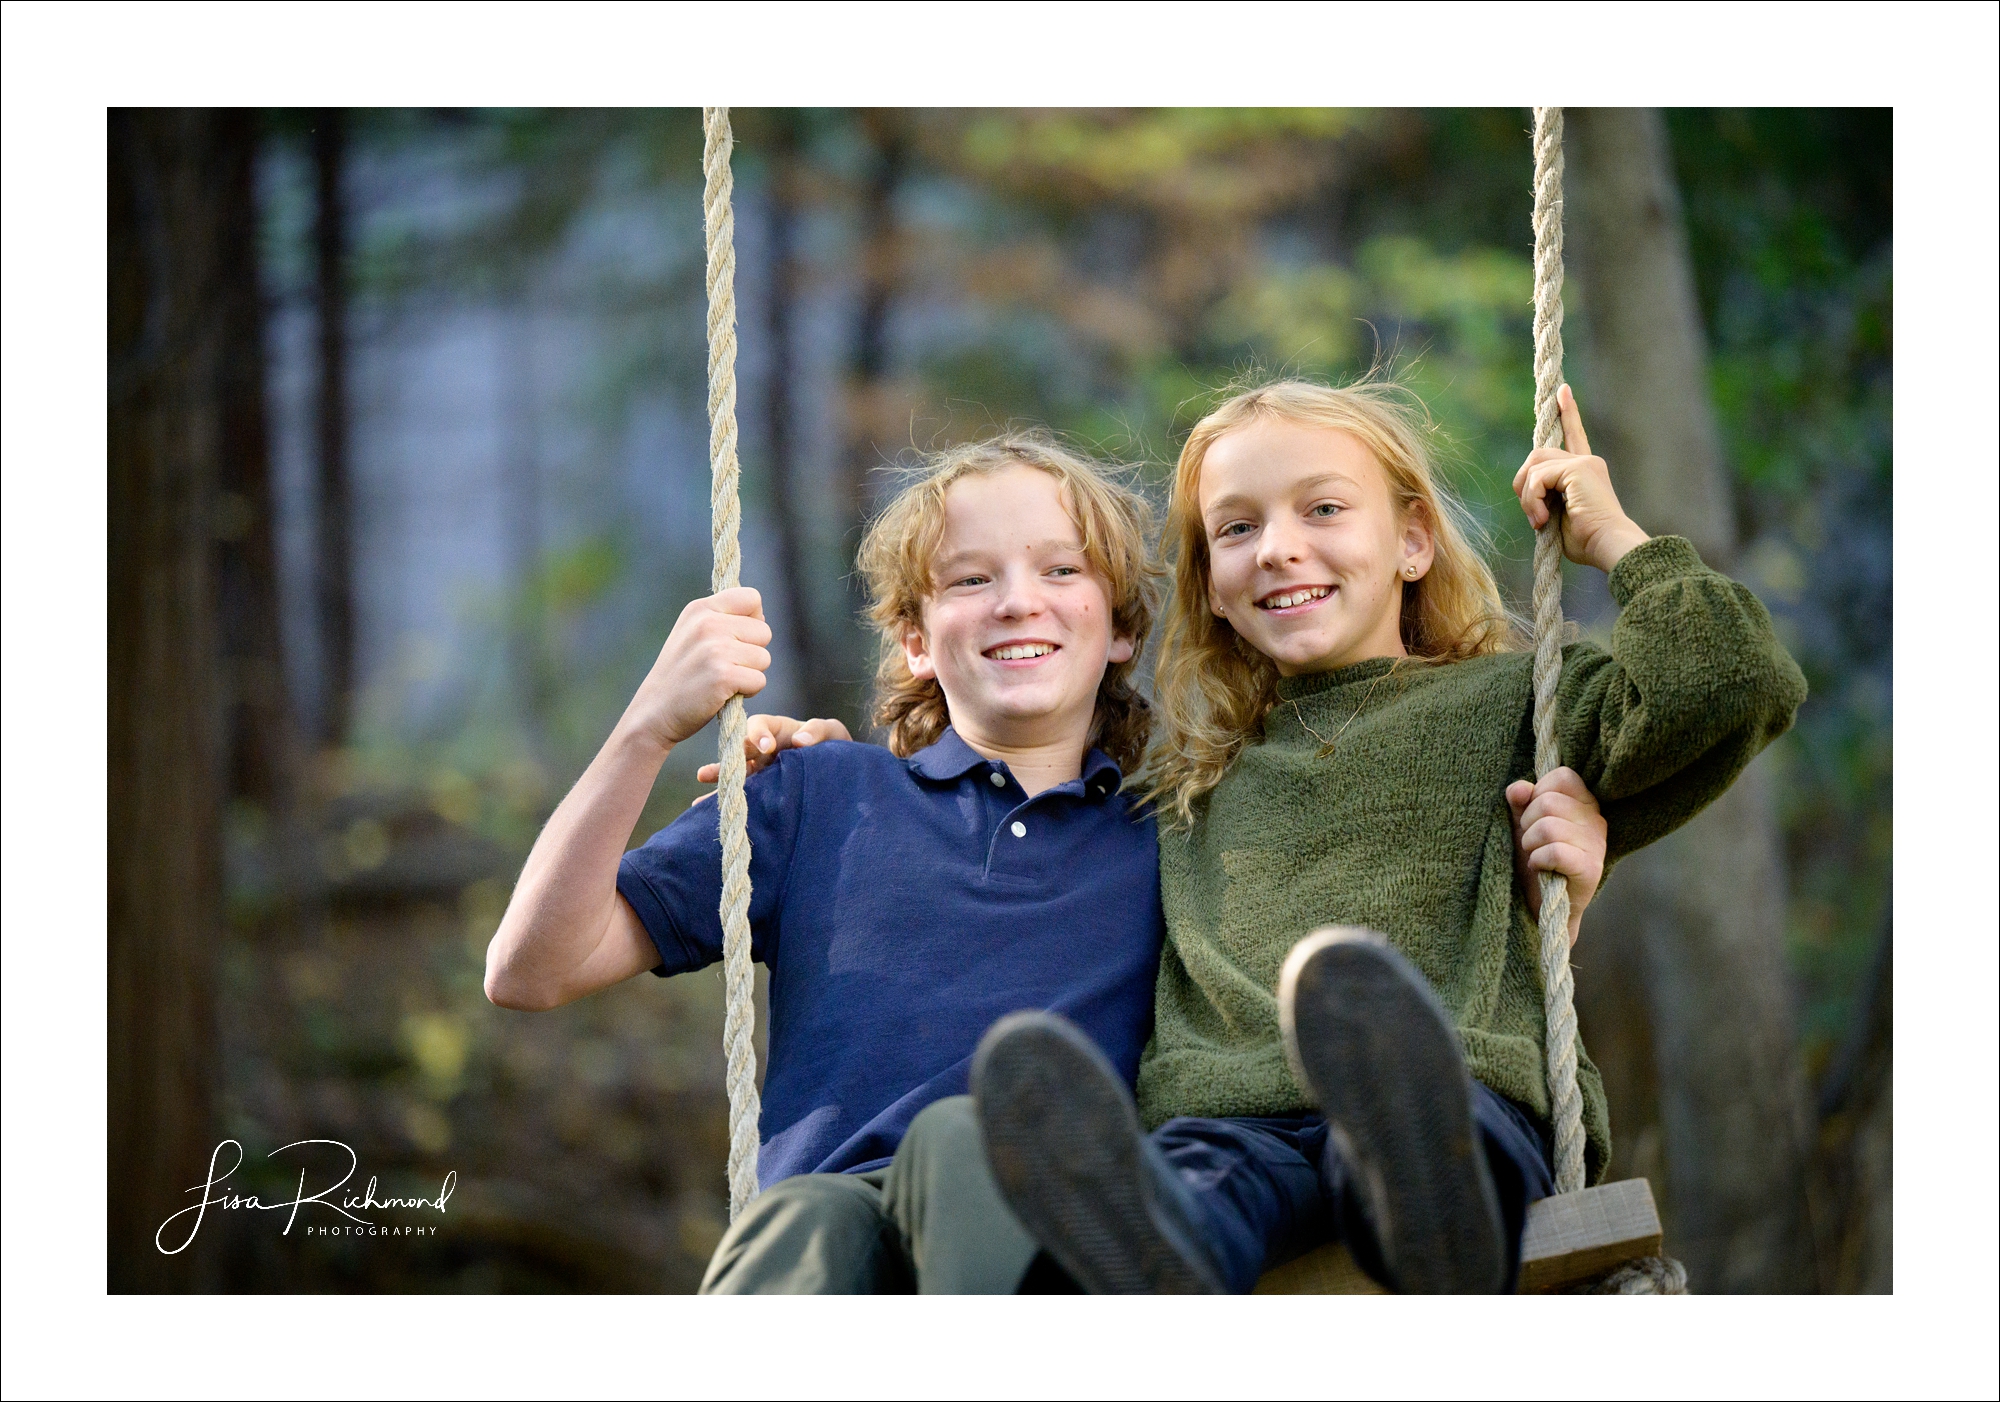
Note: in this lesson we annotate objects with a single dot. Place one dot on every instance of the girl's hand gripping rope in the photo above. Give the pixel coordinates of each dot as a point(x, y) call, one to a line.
point(1596, 531)
point(1558, 828)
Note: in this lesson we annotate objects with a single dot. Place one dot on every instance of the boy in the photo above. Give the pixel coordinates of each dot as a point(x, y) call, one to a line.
point(903, 898)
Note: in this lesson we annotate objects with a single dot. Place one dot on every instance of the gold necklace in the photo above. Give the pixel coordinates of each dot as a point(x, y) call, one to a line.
point(1325, 750)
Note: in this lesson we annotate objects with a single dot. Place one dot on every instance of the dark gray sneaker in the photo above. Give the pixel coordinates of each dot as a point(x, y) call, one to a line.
point(1372, 1045)
point(1065, 1144)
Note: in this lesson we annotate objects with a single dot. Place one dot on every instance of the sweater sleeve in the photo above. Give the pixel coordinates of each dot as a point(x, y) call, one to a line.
point(1695, 684)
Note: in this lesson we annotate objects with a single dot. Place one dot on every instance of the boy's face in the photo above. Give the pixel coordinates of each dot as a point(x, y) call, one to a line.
point(1307, 551)
point(1017, 630)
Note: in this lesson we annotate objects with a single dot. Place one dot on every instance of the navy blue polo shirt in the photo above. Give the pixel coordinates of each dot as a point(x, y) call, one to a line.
point(902, 905)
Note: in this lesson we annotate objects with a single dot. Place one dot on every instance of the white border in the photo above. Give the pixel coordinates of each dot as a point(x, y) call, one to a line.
point(63, 66)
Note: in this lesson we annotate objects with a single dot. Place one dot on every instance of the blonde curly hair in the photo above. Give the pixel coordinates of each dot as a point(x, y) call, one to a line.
point(1212, 689)
point(901, 544)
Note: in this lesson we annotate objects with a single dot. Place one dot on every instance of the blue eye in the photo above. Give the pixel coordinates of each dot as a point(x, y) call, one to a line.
point(1325, 508)
point(1233, 528)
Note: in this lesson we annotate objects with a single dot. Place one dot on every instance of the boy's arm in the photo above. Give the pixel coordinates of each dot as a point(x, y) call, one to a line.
point(1696, 682)
point(567, 931)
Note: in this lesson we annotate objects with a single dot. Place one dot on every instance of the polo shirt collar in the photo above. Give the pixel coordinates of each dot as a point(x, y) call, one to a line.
point(1101, 774)
point(951, 758)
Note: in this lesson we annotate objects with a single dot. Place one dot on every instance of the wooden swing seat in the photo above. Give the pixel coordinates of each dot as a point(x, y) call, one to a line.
point(1568, 1239)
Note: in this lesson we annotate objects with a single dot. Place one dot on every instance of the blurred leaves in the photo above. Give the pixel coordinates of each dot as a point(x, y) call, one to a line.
point(1789, 222)
point(575, 576)
point(438, 1045)
point(1222, 162)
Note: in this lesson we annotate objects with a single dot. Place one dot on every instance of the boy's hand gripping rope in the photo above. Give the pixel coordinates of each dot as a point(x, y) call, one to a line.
point(1558, 990)
point(740, 1017)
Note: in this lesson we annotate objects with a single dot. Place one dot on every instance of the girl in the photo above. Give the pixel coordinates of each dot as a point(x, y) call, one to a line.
point(1343, 703)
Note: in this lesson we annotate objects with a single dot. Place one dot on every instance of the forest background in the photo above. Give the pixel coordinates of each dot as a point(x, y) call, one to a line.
point(408, 481)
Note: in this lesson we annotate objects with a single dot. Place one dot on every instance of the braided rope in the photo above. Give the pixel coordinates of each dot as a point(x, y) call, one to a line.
point(1652, 1275)
point(1558, 989)
point(740, 1017)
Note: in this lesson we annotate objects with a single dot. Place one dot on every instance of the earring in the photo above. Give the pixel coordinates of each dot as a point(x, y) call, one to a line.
point(1410, 570)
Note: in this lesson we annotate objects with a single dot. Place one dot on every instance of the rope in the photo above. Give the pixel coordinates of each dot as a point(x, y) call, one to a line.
point(1649, 1275)
point(1558, 989)
point(1652, 1275)
point(740, 1017)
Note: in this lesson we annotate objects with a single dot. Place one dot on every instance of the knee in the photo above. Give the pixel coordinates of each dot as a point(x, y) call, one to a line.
point(807, 1195)
point(943, 1151)
point(810, 1233)
point(944, 1129)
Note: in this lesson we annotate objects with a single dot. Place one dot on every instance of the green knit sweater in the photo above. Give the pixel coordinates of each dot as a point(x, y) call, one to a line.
point(1405, 829)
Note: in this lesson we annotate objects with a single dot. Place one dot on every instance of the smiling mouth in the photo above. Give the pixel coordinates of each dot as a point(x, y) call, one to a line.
point(1019, 652)
point(1294, 598)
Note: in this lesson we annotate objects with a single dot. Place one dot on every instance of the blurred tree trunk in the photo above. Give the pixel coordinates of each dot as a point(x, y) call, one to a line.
point(176, 269)
point(868, 389)
point(263, 737)
point(334, 559)
point(819, 691)
point(1690, 932)
point(1853, 1179)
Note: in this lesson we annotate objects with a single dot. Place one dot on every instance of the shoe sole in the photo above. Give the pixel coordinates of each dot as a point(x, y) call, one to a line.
point(1370, 1042)
point(1065, 1145)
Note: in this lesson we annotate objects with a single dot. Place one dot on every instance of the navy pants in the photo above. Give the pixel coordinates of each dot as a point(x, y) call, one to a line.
point(1269, 1189)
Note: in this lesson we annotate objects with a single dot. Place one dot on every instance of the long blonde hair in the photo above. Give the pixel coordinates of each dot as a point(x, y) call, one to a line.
point(1212, 690)
point(897, 553)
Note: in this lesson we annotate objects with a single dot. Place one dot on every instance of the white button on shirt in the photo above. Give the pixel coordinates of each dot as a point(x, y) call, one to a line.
point(999, 779)
point(1020, 829)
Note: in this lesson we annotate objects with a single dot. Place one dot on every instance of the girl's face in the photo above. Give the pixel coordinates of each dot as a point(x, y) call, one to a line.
point(1017, 630)
point(1307, 551)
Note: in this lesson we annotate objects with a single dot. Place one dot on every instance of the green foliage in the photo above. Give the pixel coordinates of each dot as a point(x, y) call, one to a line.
point(572, 578)
point(1193, 161)
point(1789, 223)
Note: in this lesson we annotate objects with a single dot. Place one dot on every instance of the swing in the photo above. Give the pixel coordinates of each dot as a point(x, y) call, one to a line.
point(725, 515)
point(1605, 1239)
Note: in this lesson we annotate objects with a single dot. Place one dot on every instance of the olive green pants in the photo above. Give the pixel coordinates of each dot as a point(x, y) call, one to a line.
point(932, 1223)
